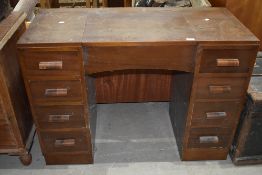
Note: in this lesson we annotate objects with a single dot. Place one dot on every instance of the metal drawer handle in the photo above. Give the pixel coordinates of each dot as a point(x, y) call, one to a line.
point(59, 118)
point(50, 65)
point(65, 142)
point(208, 139)
point(215, 115)
point(228, 62)
point(56, 92)
point(219, 89)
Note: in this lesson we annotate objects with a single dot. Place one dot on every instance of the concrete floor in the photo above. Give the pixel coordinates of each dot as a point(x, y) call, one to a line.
point(132, 138)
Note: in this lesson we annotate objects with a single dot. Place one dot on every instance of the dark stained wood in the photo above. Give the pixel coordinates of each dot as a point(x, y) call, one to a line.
point(49, 3)
point(158, 26)
point(103, 59)
point(48, 91)
point(179, 104)
point(65, 141)
point(169, 29)
point(58, 99)
point(176, 41)
point(68, 60)
point(205, 154)
point(210, 62)
point(133, 86)
point(220, 88)
point(13, 3)
point(218, 3)
point(92, 109)
point(68, 158)
point(15, 120)
point(208, 137)
point(49, 117)
point(215, 114)
point(114, 3)
point(245, 148)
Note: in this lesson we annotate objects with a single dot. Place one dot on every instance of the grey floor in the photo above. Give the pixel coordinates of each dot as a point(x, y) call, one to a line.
point(132, 138)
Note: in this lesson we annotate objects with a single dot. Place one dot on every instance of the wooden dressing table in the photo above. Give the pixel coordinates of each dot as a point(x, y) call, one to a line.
point(209, 51)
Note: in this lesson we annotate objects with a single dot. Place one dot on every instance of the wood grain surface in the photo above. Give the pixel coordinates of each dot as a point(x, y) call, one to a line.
point(127, 26)
point(113, 26)
point(249, 13)
point(133, 86)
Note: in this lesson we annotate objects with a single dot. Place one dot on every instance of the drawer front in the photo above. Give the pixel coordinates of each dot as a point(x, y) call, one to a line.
point(215, 113)
point(112, 58)
point(227, 60)
point(209, 138)
point(51, 62)
point(221, 88)
point(68, 141)
point(56, 90)
point(57, 117)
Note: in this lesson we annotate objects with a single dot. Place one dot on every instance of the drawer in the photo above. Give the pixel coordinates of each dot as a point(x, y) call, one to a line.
point(65, 141)
point(209, 137)
point(215, 113)
point(221, 88)
point(111, 58)
point(56, 91)
point(227, 60)
point(56, 117)
point(51, 62)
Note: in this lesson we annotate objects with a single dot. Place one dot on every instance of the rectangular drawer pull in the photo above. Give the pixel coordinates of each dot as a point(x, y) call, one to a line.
point(219, 89)
point(56, 92)
point(228, 62)
point(59, 118)
point(215, 115)
point(208, 139)
point(65, 142)
point(50, 65)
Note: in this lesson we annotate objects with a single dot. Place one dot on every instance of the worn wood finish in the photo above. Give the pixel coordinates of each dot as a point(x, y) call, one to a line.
point(65, 141)
point(220, 88)
point(218, 3)
point(183, 42)
point(208, 137)
point(158, 20)
point(215, 114)
point(102, 59)
point(15, 115)
point(199, 139)
point(227, 60)
point(59, 103)
point(50, 117)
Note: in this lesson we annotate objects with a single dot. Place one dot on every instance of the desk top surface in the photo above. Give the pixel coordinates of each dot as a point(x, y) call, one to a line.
point(111, 26)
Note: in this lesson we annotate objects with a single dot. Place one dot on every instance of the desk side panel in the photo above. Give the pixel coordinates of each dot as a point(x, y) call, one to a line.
point(179, 105)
